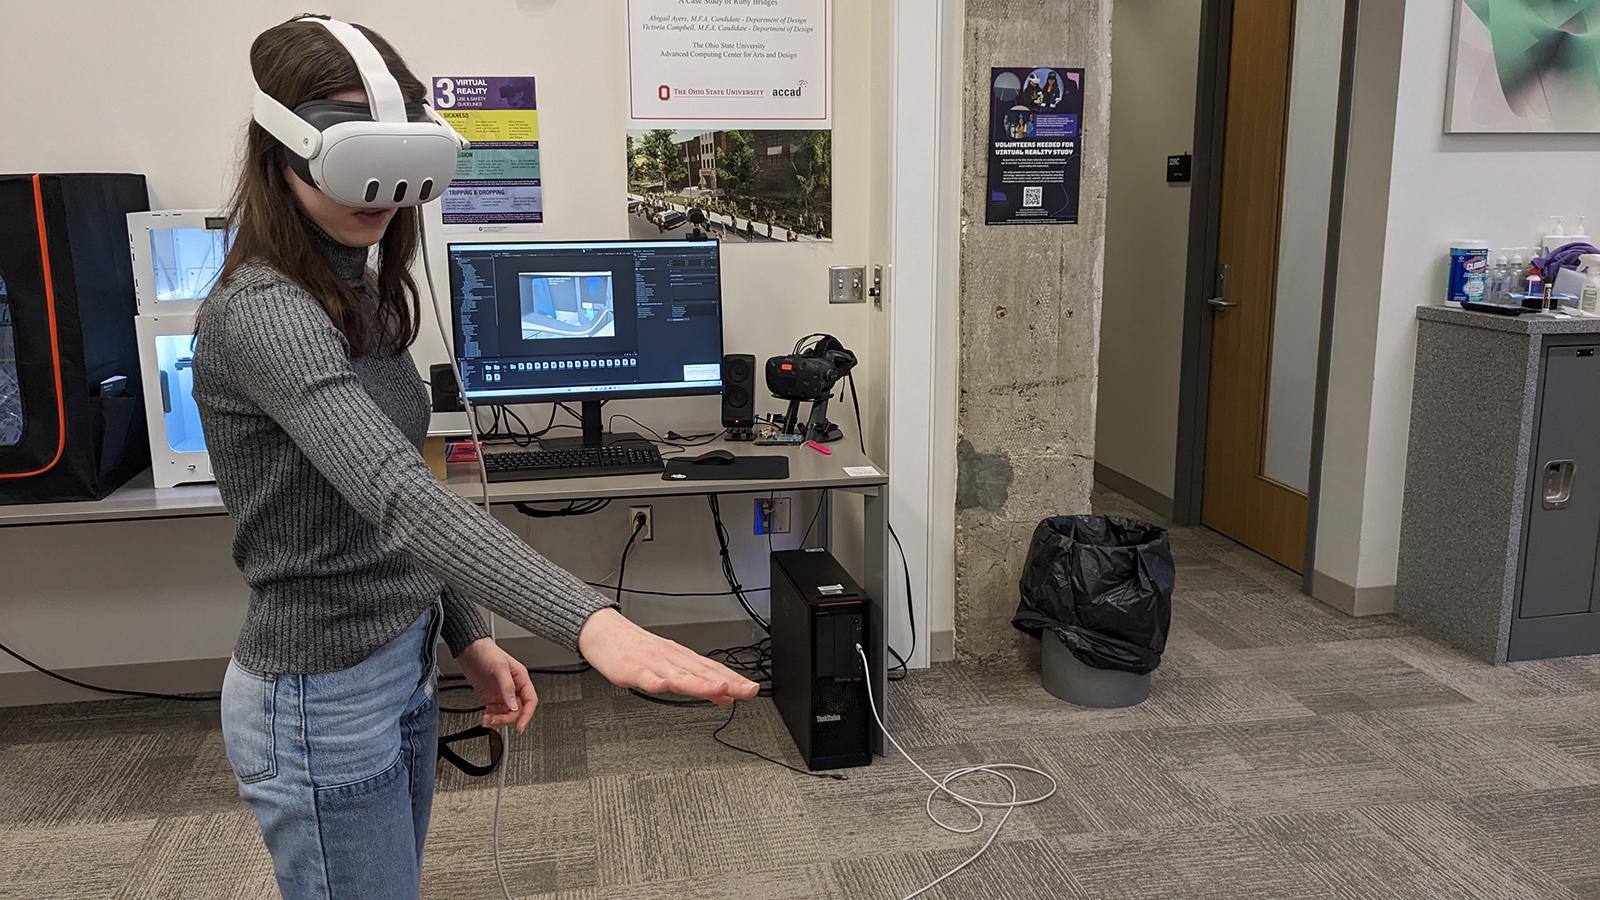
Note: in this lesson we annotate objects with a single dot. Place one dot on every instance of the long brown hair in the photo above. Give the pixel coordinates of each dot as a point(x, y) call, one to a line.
point(296, 62)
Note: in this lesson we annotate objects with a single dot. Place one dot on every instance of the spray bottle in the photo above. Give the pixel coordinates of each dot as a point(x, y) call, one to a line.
point(1589, 297)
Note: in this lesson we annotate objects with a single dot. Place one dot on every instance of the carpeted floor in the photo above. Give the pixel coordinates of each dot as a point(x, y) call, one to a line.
point(1288, 752)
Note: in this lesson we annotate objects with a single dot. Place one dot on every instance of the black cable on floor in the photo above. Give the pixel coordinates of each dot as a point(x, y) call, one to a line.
point(574, 669)
point(119, 692)
point(642, 592)
point(717, 736)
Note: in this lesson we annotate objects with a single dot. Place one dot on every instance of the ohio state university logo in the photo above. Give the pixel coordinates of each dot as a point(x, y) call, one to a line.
point(664, 92)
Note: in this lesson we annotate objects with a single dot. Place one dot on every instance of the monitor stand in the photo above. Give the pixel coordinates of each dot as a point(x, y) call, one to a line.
point(594, 433)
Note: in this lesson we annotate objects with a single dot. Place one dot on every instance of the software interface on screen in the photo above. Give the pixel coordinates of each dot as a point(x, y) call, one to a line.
point(573, 320)
point(187, 261)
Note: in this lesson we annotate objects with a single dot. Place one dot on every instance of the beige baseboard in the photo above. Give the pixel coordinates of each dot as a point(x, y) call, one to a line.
point(1350, 600)
point(1134, 489)
point(942, 646)
point(204, 676)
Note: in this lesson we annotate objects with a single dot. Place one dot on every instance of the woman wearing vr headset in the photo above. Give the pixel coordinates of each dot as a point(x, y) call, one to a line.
point(358, 558)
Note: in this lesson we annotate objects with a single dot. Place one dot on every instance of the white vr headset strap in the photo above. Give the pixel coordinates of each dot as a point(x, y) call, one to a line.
point(383, 92)
point(290, 130)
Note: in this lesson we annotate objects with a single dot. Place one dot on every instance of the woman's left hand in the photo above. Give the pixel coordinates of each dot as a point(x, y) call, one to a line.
point(501, 682)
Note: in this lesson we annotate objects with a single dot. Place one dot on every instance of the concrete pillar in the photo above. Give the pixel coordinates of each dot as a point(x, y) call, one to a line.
point(1030, 321)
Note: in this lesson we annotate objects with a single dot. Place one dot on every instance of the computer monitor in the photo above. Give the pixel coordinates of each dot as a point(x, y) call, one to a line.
point(587, 322)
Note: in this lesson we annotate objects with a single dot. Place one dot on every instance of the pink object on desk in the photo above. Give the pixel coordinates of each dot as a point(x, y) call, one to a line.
point(819, 448)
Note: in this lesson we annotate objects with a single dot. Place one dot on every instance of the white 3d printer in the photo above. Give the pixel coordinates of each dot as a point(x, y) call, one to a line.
point(177, 255)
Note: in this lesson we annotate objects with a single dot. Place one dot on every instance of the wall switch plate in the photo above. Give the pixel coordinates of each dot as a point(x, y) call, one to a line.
point(847, 284)
point(772, 515)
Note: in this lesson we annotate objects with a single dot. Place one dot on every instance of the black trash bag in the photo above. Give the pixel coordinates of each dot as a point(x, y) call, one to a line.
point(1104, 584)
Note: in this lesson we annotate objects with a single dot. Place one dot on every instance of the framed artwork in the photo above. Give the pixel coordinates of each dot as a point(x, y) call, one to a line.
point(1524, 66)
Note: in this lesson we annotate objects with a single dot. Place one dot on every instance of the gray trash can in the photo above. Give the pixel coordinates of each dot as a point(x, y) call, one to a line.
point(1097, 591)
point(1066, 677)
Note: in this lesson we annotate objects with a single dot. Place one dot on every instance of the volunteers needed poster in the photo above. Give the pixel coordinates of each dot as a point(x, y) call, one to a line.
point(1035, 146)
point(497, 182)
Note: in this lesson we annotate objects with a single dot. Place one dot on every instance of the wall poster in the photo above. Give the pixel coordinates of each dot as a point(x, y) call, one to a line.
point(497, 184)
point(730, 118)
point(1035, 146)
point(1524, 66)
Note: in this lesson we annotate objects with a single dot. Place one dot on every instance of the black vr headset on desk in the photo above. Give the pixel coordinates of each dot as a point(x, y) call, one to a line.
point(809, 375)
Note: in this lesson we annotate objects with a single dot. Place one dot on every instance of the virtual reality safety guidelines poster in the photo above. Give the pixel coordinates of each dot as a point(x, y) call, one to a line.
point(1035, 146)
point(497, 180)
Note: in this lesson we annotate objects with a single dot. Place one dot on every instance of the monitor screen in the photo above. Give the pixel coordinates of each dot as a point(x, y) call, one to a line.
point(587, 321)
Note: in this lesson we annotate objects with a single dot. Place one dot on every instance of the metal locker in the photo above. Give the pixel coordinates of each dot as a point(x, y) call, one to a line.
point(1557, 604)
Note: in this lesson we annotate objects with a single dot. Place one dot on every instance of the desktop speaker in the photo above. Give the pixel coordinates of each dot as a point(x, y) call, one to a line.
point(819, 615)
point(446, 393)
point(738, 390)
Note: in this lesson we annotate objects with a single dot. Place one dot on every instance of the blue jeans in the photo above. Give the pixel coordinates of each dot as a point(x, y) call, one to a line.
point(339, 767)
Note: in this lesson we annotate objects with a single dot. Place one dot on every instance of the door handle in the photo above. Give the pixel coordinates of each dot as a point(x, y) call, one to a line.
point(1558, 477)
point(1220, 301)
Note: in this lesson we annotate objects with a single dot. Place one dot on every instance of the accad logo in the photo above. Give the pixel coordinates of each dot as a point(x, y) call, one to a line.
point(664, 92)
point(796, 91)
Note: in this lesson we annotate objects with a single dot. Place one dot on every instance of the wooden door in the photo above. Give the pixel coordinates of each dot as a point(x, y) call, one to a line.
point(1239, 501)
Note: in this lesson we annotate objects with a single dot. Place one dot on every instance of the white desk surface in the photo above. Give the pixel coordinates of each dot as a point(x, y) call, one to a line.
point(808, 470)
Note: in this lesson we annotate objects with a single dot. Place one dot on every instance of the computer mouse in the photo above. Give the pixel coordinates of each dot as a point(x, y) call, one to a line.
point(715, 458)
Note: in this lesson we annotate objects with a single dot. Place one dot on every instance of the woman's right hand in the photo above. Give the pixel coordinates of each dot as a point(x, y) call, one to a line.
point(629, 656)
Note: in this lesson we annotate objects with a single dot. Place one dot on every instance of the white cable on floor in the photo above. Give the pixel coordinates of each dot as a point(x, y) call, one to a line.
point(942, 785)
point(499, 792)
point(483, 476)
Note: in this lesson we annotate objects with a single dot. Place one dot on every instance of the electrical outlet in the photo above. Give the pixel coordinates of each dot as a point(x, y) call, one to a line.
point(635, 513)
point(772, 515)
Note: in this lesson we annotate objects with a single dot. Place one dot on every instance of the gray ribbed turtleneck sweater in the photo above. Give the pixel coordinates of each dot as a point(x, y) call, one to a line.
point(343, 532)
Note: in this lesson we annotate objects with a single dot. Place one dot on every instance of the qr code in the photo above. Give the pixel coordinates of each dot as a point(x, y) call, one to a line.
point(1032, 197)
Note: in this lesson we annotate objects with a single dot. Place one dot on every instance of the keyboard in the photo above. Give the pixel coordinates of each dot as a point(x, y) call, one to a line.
point(578, 462)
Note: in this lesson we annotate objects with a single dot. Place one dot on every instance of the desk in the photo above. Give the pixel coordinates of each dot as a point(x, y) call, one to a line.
point(808, 471)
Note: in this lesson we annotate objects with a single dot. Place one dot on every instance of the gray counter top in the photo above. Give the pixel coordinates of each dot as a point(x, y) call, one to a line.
point(1528, 323)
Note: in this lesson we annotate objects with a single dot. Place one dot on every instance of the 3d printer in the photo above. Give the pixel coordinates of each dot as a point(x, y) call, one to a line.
point(177, 256)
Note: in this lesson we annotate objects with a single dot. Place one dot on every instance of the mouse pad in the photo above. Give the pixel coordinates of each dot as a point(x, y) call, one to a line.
point(743, 468)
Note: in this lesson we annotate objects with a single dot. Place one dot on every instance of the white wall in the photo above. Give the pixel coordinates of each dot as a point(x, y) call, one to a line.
point(1303, 240)
point(163, 88)
point(1438, 187)
point(1155, 46)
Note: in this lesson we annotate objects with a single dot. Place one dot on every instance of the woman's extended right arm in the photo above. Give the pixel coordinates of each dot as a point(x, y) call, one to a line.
point(285, 356)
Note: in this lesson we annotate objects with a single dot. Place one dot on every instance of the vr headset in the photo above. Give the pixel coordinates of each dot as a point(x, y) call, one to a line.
point(383, 154)
point(810, 375)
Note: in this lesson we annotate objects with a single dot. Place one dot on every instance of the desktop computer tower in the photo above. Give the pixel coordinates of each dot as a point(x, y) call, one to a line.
point(819, 615)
